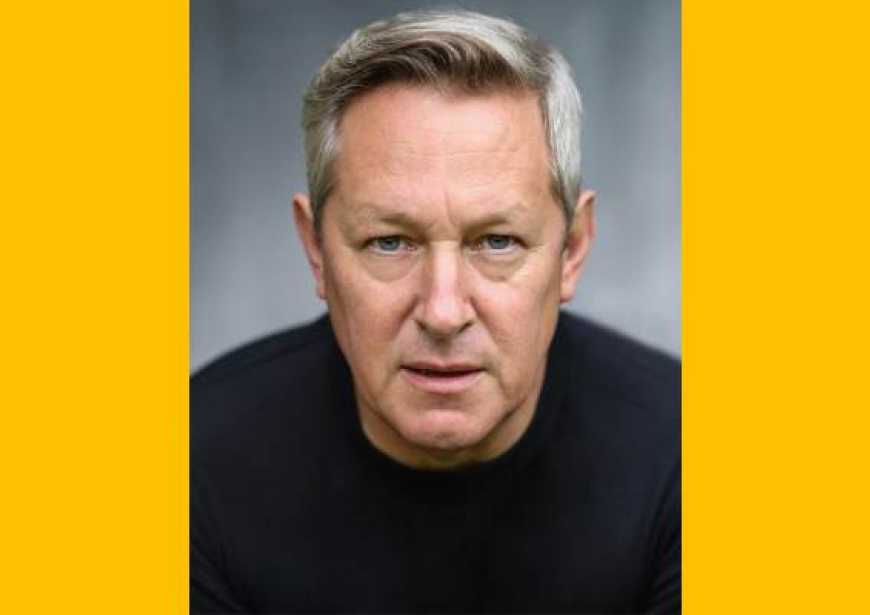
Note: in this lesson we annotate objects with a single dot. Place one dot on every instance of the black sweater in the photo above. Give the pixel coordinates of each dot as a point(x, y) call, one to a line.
point(293, 511)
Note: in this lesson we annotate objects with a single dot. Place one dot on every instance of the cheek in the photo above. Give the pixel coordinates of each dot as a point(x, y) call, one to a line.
point(367, 313)
point(520, 315)
point(520, 297)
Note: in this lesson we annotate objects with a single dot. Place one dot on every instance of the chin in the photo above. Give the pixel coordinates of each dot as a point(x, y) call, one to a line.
point(444, 430)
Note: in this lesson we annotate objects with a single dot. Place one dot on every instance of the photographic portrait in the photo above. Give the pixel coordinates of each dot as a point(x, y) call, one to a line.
point(435, 307)
point(250, 63)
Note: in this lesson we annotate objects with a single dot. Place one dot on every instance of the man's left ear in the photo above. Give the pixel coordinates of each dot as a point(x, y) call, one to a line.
point(577, 244)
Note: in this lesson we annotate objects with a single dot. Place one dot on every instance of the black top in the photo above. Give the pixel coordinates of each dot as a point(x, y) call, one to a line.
point(292, 510)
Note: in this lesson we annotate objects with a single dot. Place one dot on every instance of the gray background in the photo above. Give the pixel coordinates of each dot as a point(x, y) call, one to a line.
point(249, 64)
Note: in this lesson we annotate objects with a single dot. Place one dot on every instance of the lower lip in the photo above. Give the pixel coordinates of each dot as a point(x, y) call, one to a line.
point(441, 384)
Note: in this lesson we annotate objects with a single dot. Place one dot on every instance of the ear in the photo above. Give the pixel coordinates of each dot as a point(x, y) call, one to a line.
point(304, 218)
point(577, 244)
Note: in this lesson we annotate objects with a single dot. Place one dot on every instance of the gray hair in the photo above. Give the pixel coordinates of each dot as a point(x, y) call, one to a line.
point(452, 50)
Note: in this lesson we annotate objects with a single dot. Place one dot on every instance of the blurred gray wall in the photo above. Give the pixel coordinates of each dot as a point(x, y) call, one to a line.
point(249, 64)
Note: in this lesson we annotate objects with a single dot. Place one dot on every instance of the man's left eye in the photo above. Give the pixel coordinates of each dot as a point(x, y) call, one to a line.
point(498, 243)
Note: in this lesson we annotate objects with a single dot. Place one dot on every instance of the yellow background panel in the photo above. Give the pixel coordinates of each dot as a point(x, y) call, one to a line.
point(93, 250)
point(775, 305)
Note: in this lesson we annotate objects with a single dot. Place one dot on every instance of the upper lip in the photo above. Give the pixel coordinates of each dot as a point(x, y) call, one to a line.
point(441, 367)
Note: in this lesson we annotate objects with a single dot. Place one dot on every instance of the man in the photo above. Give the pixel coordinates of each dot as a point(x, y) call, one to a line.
point(446, 440)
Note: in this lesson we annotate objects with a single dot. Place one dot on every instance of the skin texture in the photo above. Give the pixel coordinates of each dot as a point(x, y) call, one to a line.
point(442, 247)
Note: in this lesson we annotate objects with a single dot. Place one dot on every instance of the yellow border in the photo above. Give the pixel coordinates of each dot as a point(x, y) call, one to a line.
point(775, 306)
point(93, 245)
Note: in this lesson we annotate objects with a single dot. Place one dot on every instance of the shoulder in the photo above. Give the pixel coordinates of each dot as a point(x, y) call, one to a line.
point(613, 365)
point(257, 386)
point(245, 359)
point(626, 396)
point(622, 420)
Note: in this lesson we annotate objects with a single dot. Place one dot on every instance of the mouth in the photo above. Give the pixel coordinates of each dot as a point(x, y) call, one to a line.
point(443, 380)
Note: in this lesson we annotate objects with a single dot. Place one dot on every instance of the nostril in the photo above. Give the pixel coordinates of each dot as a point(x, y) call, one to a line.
point(444, 313)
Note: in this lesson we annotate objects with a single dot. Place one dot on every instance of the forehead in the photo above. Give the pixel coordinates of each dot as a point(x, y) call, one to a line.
point(417, 144)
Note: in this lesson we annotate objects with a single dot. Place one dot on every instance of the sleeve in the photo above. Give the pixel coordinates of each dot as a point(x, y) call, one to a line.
point(211, 589)
point(665, 589)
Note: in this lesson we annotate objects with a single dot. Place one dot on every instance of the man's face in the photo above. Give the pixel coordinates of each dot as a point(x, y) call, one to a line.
point(443, 259)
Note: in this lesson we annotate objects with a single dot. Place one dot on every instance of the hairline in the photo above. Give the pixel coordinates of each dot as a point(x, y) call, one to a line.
point(521, 63)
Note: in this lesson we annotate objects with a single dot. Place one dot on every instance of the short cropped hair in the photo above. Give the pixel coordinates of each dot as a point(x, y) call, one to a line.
point(453, 51)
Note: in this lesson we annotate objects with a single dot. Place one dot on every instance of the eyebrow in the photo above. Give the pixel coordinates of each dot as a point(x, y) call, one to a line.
point(383, 214)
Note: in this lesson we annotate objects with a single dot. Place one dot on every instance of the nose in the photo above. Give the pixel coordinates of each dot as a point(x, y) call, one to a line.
point(445, 308)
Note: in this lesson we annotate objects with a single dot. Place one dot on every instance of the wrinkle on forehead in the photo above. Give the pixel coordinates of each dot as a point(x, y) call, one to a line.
point(403, 121)
point(406, 146)
point(404, 214)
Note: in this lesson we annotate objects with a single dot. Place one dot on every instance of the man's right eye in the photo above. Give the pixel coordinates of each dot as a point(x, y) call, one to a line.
point(389, 244)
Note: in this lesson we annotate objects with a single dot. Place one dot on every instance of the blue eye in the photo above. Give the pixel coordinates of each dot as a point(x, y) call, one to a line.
point(498, 243)
point(389, 244)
